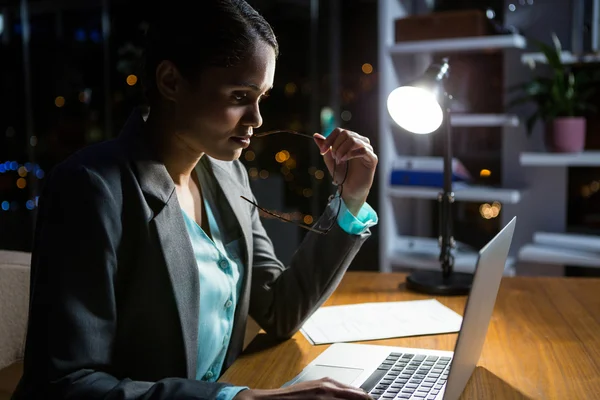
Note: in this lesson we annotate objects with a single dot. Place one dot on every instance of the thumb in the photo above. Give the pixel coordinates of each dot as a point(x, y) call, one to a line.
point(327, 156)
point(320, 141)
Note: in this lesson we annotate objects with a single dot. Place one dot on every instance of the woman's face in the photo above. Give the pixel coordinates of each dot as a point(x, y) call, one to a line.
point(216, 113)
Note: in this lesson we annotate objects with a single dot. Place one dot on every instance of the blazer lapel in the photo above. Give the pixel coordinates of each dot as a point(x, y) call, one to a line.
point(232, 191)
point(164, 212)
point(183, 271)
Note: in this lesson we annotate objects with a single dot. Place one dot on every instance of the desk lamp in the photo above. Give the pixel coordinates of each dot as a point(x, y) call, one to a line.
point(422, 107)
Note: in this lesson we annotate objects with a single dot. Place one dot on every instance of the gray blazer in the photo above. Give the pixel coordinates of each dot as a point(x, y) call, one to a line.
point(114, 283)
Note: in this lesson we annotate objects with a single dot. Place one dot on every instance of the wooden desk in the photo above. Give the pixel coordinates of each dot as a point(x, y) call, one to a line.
point(543, 341)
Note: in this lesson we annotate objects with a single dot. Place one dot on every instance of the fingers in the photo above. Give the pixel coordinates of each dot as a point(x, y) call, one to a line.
point(340, 142)
point(343, 145)
point(342, 391)
point(321, 140)
point(361, 152)
point(325, 388)
point(355, 148)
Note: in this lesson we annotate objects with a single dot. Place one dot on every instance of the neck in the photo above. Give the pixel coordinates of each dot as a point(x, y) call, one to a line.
point(178, 158)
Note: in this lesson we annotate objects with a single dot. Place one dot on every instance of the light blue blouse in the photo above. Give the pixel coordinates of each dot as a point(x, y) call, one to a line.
point(221, 274)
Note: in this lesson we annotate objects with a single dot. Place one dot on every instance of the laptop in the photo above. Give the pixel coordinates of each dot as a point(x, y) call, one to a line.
point(387, 372)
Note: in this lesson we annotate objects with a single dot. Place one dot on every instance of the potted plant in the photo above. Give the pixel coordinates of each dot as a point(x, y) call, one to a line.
point(561, 99)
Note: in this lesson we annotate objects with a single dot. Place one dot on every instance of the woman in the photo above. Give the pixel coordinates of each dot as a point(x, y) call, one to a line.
point(147, 262)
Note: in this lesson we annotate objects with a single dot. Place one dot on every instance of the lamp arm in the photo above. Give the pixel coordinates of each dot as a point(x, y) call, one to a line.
point(446, 198)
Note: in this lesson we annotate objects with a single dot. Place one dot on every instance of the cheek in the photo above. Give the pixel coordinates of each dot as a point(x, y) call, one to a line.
point(233, 114)
point(224, 117)
point(215, 116)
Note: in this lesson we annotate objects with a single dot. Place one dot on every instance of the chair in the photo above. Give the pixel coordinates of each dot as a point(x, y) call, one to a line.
point(14, 305)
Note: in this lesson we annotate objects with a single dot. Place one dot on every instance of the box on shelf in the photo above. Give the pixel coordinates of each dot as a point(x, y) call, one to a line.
point(425, 171)
point(443, 25)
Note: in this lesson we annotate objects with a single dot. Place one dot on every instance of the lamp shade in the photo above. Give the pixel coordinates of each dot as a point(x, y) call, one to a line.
point(415, 109)
point(416, 106)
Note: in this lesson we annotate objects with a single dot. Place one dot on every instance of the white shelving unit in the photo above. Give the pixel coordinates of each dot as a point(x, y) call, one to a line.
point(571, 241)
point(405, 239)
point(422, 253)
point(555, 249)
point(584, 159)
point(462, 192)
point(566, 57)
point(481, 120)
point(540, 245)
point(557, 256)
point(459, 44)
point(562, 249)
point(459, 120)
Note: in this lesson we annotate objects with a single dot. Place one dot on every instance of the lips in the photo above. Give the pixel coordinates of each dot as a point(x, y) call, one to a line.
point(244, 141)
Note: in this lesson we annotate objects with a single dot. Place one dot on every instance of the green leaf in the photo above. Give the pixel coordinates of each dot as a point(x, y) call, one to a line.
point(556, 42)
point(552, 56)
point(562, 93)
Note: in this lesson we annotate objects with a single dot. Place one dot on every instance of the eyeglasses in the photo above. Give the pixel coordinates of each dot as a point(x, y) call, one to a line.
point(326, 222)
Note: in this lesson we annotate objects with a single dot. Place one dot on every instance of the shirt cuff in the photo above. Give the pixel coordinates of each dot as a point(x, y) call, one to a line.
point(229, 392)
point(356, 225)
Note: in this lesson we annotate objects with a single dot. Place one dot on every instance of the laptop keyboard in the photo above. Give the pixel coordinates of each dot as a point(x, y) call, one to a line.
point(408, 376)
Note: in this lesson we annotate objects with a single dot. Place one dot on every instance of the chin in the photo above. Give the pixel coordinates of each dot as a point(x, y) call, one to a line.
point(225, 155)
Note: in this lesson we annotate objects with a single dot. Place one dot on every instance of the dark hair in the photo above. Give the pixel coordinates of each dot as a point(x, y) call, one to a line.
point(195, 34)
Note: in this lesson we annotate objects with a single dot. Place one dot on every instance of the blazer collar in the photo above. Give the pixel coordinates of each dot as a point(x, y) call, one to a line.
point(154, 180)
point(157, 185)
point(232, 190)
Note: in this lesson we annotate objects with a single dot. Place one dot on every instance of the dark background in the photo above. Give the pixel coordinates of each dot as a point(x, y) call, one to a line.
point(73, 81)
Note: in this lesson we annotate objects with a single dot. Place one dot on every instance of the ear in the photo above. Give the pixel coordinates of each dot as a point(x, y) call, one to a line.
point(169, 81)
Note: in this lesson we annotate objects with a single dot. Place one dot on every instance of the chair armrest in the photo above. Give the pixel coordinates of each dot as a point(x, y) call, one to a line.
point(14, 305)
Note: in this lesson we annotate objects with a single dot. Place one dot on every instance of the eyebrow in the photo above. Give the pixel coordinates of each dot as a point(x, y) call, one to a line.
point(251, 86)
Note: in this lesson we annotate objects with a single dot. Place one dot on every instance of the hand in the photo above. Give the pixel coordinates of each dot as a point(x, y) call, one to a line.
point(322, 389)
point(343, 145)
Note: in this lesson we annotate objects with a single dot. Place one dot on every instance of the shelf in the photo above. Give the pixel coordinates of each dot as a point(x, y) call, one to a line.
point(483, 120)
point(423, 253)
point(462, 192)
point(462, 120)
point(572, 241)
point(584, 159)
point(460, 44)
point(542, 254)
point(566, 57)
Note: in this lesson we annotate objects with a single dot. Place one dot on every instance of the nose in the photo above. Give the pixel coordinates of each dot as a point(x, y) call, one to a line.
point(252, 117)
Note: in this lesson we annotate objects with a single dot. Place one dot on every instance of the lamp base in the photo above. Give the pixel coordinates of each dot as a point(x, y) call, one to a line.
point(433, 282)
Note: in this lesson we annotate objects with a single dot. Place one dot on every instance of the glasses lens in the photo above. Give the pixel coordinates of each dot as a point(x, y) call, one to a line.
point(329, 217)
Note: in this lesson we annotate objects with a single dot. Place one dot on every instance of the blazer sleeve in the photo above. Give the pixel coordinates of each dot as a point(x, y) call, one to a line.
point(73, 312)
point(282, 297)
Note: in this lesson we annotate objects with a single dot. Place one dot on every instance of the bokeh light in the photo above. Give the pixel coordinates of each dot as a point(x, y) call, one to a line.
point(131, 80)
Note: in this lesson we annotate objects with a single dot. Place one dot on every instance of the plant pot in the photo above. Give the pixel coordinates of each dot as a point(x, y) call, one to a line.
point(566, 135)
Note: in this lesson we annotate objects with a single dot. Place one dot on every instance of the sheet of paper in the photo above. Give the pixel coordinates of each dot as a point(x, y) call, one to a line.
point(372, 321)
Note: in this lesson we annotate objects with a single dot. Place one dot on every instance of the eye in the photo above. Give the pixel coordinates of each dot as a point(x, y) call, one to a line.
point(239, 96)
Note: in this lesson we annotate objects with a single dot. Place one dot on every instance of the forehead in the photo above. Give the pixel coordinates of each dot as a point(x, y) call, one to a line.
point(256, 70)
